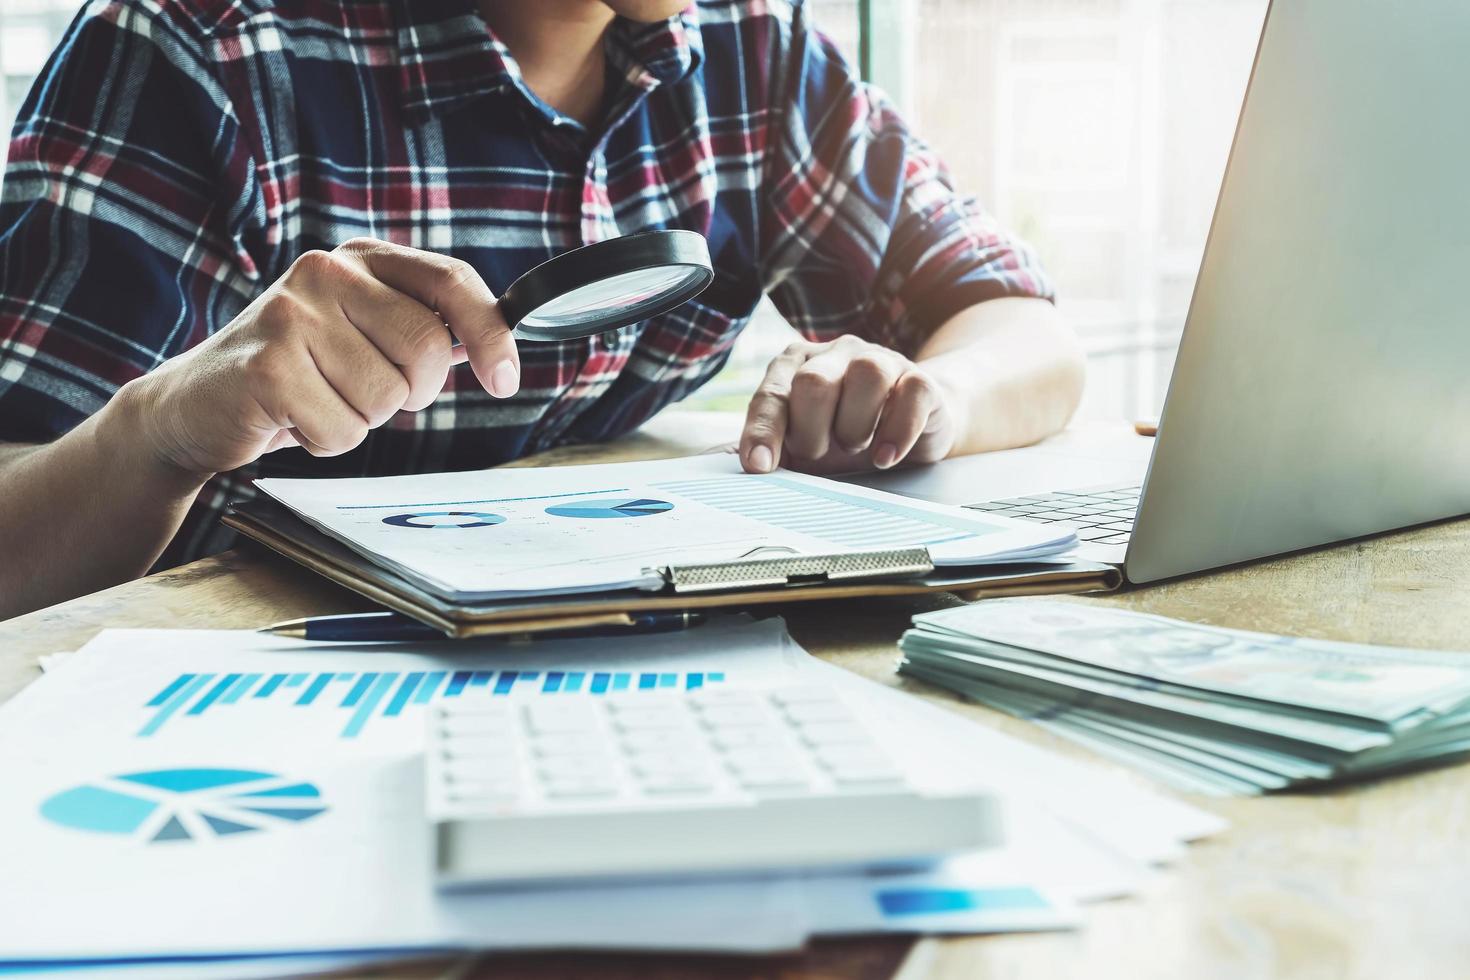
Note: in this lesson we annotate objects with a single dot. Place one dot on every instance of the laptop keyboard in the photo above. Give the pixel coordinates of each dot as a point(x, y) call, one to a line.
point(1100, 514)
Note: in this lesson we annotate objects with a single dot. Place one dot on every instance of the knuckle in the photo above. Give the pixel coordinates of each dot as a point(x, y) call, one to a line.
point(425, 340)
point(812, 384)
point(313, 264)
point(359, 245)
point(388, 398)
point(397, 393)
point(916, 384)
point(773, 396)
point(456, 274)
point(869, 366)
point(280, 314)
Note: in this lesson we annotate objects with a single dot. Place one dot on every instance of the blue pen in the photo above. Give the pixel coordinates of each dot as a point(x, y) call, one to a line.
point(385, 626)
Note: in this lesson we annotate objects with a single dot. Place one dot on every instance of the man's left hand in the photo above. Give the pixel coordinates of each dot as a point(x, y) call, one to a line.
point(846, 405)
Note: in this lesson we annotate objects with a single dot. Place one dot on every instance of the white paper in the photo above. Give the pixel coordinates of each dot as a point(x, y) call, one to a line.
point(488, 534)
point(355, 877)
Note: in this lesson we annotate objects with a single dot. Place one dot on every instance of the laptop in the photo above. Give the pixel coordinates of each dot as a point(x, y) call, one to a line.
point(1322, 387)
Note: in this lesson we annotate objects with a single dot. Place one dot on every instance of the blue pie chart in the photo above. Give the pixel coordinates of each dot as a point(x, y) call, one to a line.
point(172, 805)
point(435, 519)
point(611, 507)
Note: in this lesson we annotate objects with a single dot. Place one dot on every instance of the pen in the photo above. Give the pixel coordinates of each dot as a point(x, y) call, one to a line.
point(380, 626)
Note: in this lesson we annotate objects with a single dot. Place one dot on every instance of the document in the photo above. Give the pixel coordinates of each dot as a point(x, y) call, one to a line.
point(509, 533)
point(228, 794)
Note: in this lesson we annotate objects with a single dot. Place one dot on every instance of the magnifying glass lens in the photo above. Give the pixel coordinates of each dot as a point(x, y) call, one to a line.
point(607, 285)
point(623, 292)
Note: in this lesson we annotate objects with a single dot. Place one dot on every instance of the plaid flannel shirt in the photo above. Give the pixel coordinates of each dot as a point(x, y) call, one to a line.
point(176, 156)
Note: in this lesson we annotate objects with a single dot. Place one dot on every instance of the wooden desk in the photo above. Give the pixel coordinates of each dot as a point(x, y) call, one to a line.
point(1369, 882)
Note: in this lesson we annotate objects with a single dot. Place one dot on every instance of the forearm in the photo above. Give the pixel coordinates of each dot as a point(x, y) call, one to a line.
point(87, 511)
point(1012, 369)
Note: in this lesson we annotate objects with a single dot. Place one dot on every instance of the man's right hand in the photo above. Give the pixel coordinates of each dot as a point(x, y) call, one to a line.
point(338, 345)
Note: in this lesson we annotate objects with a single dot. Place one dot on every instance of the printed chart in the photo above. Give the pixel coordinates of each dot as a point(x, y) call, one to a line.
point(370, 694)
point(827, 513)
point(456, 519)
point(167, 805)
point(603, 509)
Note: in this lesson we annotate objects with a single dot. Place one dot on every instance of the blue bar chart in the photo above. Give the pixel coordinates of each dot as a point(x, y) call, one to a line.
point(361, 697)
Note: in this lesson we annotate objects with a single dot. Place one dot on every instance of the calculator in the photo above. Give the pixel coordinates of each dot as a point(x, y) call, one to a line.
point(684, 782)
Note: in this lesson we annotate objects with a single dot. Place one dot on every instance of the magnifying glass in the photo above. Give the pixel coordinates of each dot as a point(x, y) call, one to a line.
point(607, 285)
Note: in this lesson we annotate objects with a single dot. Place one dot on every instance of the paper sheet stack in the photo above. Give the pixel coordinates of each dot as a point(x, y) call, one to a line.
point(229, 803)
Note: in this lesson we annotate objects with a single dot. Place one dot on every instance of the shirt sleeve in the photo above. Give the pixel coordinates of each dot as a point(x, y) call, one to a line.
point(124, 199)
point(862, 230)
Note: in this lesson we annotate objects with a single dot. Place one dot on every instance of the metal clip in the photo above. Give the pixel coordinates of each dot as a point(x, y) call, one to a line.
point(751, 573)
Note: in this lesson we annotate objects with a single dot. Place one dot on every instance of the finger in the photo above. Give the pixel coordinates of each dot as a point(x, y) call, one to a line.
point(318, 414)
point(913, 400)
point(409, 335)
point(454, 289)
point(764, 435)
point(865, 387)
point(290, 387)
point(359, 371)
point(815, 389)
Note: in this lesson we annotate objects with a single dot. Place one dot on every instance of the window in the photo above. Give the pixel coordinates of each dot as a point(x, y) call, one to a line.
point(1097, 129)
point(29, 29)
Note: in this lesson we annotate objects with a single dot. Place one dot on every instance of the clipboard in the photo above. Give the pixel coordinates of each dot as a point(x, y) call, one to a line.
point(755, 580)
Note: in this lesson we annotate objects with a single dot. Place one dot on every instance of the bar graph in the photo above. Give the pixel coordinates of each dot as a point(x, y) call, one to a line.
point(360, 698)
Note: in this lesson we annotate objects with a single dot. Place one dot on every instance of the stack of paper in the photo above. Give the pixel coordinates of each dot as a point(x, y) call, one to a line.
point(507, 534)
point(230, 801)
point(1212, 710)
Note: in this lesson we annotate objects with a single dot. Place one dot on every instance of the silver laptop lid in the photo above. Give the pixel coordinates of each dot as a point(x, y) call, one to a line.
point(1321, 388)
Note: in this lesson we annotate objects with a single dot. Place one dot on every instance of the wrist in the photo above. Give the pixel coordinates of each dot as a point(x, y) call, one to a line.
point(962, 387)
point(129, 429)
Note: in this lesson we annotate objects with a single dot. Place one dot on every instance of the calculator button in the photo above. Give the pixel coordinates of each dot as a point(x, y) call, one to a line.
point(478, 748)
point(803, 695)
point(654, 719)
point(769, 775)
point(574, 769)
point(760, 757)
point(834, 733)
point(483, 793)
point(565, 743)
point(642, 704)
point(802, 712)
point(579, 789)
point(771, 739)
point(547, 718)
point(707, 696)
point(649, 766)
point(654, 765)
point(481, 770)
point(680, 781)
point(489, 722)
point(735, 716)
point(867, 777)
point(849, 752)
point(646, 740)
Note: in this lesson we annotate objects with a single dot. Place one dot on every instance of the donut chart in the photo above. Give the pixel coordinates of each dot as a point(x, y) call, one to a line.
point(610, 508)
point(440, 519)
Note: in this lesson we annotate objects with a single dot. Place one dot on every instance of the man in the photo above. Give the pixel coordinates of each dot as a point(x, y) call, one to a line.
point(236, 235)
